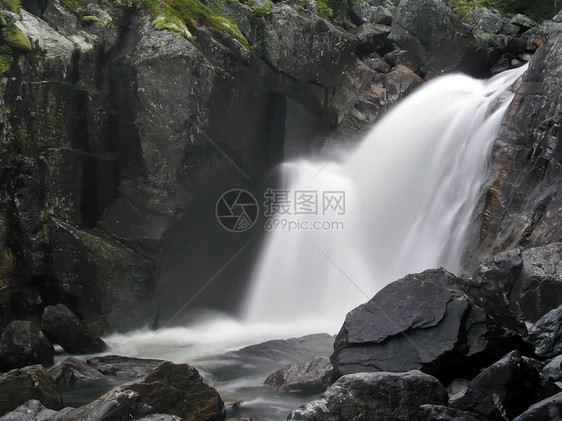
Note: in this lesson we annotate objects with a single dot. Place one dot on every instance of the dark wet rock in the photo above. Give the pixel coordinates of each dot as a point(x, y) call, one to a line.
point(178, 389)
point(361, 12)
point(160, 417)
point(311, 376)
point(547, 409)
point(306, 48)
point(64, 327)
point(381, 396)
point(72, 371)
point(546, 334)
point(382, 15)
point(423, 321)
point(521, 284)
point(436, 39)
point(372, 37)
point(32, 382)
point(523, 205)
point(376, 63)
point(553, 370)
point(512, 382)
point(32, 410)
point(289, 351)
point(444, 413)
point(124, 367)
point(22, 344)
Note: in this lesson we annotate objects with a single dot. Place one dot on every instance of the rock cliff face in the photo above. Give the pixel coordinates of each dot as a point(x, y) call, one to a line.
point(523, 206)
point(118, 138)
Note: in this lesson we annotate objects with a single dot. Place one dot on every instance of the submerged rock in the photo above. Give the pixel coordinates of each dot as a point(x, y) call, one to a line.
point(124, 367)
point(64, 327)
point(22, 343)
point(311, 376)
point(380, 396)
point(423, 321)
point(32, 382)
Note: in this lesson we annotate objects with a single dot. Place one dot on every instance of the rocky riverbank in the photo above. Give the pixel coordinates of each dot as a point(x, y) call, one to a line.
point(115, 114)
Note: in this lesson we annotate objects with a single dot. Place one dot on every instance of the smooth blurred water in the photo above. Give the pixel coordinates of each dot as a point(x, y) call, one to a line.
point(411, 191)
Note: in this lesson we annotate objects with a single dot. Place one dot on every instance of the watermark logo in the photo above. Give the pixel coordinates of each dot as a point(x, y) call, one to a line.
point(237, 210)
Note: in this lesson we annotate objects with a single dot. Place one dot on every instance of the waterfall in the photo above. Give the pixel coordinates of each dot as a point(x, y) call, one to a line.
point(411, 190)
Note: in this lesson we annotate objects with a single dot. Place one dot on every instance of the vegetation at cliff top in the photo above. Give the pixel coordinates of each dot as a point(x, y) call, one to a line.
point(538, 10)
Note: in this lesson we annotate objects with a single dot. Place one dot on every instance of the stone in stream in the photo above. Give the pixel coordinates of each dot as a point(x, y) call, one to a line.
point(124, 367)
point(380, 396)
point(32, 382)
point(72, 371)
point(310, 376)
point(22, 343)
point(63, 326)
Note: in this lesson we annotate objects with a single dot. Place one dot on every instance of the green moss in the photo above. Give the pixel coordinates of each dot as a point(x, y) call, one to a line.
point(92, 19)
point(538, 10)
point(15, 38)
point(179, 15)
point(74, 6)
point(263, 10)
point(5, 59)
point(323, 9)
point(3, 22)
point(12, 5)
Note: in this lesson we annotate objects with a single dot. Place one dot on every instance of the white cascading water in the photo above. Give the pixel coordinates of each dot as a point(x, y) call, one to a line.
point(411, 190)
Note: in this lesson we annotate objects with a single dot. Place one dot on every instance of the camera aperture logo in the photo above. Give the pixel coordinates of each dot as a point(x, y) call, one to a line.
point(237, 210)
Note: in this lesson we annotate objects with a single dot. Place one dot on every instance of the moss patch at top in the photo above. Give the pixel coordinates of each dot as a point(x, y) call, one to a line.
point(15, 38)
point(179, 15)
point(11, 5)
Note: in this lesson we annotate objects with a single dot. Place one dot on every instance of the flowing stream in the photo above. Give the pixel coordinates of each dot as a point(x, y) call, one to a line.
point(402, 201)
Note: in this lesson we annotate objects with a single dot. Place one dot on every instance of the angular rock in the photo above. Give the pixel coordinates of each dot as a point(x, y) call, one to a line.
point(484, 22)
point(444, 413)
point(436, 39)
point(64, 327)
point(72, 371)
point(512, 382)
point(372, 37)
point(553, 370)
point(546, 334)
point(361, 12)
point(22, 344)
point(306, 48)
point(311, 376)
point(32, 382)
point(523, 22)
point(382, 15)
point(124, 367)
point(178, 389)
point(380, 396)
point(547, 409)
point(32, 410)
point(524, 284)
point(422, 321)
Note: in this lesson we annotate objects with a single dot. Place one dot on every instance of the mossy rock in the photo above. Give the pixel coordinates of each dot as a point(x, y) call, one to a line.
point(162, 22)
point(5, 59)
point(16, 39)
point(11, 5)
point(92, 19)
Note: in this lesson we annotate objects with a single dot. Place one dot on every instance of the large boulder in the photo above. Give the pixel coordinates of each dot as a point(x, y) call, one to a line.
point(64, 327)
point(511, 383)
point(178, 389)
point(22, 344)
point(306, 47)
point(380, 396)
point(553, 370)
point(32, 382)
point(423, 321)
point(444, 413)
point(546, 334)
point(311, 376)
